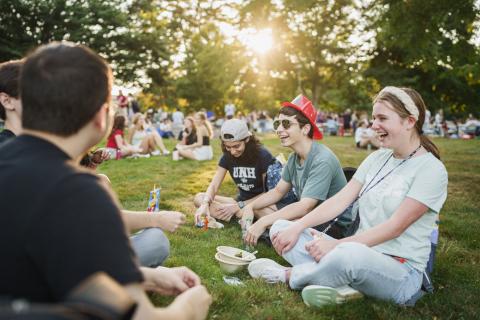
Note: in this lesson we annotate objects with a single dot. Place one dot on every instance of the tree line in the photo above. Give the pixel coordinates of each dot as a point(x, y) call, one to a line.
point(339, 53)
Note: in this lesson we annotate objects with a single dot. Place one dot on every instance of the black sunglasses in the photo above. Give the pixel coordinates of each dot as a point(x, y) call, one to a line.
point(286, 124)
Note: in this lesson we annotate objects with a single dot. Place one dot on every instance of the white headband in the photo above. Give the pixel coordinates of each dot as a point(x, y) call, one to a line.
point(404, 98)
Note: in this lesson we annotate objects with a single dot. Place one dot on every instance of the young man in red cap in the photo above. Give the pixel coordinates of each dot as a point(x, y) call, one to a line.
point(312, 170)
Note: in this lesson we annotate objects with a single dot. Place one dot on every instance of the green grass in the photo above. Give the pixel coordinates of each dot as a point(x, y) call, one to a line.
point(457, 270)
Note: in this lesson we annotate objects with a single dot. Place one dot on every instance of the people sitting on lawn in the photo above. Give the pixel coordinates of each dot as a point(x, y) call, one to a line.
point(148, 141)
point(247, 161)
point(400, 190)
point(188, 135)
point(116, 146)
point(331, 126)
point(165, 129)
point(200, 150)
point(312, 170)
point(365, 137)
point(151, 128)
point(10, 104)
point(69, 214)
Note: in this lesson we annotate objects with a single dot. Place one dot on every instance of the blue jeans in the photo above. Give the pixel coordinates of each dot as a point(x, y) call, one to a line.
point(351, 263)
point(151, 246)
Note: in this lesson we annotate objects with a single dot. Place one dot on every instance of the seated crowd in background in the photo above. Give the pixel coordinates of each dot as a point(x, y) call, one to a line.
point(365, 137)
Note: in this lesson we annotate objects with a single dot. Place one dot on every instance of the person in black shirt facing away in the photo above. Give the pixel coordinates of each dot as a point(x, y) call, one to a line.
point(151, 245)
point(10, 105)
point(61, 223)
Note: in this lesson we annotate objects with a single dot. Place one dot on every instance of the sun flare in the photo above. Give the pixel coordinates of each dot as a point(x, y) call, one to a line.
point(259, 41)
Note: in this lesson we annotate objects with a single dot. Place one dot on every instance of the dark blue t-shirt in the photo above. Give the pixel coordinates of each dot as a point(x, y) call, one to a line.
point(248, 178)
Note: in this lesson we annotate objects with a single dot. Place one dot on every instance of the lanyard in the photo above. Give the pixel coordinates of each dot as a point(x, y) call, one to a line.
point(368, 187)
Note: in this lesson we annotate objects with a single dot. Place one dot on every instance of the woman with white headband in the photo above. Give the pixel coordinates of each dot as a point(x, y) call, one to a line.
point(399, 190)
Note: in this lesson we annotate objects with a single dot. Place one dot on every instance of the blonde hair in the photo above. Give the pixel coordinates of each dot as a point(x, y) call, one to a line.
point(207, 123)
point(400, 109)
point(136, 117)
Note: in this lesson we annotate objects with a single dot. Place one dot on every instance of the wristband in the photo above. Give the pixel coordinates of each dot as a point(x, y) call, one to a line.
point(241, 204)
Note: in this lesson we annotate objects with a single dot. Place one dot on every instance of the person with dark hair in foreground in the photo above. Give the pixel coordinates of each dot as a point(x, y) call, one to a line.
point(150, 244)
point(63, 223)
point(312, 170)
point(10, 105)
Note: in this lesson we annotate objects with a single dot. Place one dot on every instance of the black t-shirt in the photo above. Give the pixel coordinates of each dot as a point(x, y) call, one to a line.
point(59, 224)
point(191, 138)
point(6, 135)
point(248, 178)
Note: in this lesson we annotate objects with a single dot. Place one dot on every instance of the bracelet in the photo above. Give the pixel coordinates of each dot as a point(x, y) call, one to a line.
point(241, 204)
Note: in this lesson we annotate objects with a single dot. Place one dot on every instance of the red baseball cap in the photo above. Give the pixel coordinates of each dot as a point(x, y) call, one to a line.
point(305, 106)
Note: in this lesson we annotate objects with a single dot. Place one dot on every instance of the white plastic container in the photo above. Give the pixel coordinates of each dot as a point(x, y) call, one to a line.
point(236, 254)
point(230, 266)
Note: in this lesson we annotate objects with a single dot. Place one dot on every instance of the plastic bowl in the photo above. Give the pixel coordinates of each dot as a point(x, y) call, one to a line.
point(230, 260)
point(232, 253)
point(228, 266)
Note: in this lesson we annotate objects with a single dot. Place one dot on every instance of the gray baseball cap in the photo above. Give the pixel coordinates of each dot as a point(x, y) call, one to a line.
point(234, 130)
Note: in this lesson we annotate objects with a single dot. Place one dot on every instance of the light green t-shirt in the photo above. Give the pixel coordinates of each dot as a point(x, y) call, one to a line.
point(422, 178)
point(320, 177)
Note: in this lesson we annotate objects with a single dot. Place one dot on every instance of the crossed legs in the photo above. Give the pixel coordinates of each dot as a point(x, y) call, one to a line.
point(220, 201)
point(351, 263)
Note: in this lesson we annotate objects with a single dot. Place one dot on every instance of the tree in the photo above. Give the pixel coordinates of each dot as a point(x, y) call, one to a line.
point(210, 69)
point(427, 45)
point(313, 53)
point(131, 40)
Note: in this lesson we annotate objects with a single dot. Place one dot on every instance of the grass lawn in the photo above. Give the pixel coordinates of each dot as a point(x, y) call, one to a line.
point(456, 275)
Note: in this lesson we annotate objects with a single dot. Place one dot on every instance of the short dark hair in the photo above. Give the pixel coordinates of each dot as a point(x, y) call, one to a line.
point(301, 118)
point(9, 74)
point(62, 86)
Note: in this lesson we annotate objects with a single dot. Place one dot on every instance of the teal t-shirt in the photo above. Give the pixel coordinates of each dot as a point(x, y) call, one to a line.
point(320, 177)
point(422, 178)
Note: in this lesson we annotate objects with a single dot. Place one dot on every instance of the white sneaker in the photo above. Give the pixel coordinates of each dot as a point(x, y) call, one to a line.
point(139, 155)
point(319, 296)
point(268, 270)
point(165, 153)
point(155, 153)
